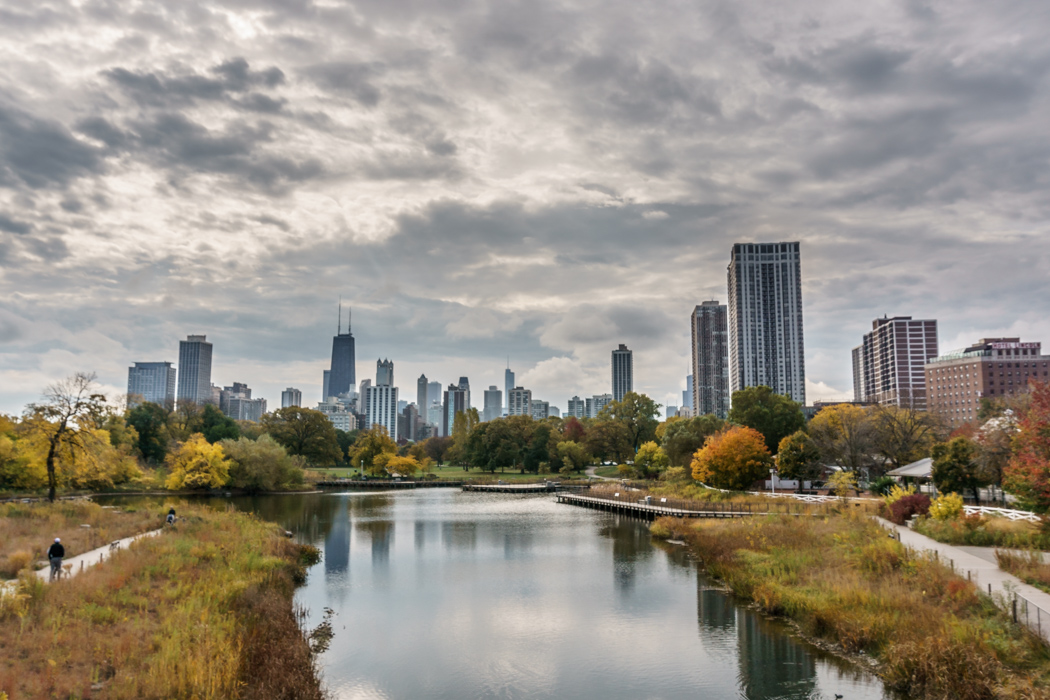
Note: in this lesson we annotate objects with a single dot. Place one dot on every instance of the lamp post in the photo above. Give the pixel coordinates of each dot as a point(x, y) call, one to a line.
point(773, 480)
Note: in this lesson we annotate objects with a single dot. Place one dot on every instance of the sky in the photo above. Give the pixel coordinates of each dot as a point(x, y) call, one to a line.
point(490, 181)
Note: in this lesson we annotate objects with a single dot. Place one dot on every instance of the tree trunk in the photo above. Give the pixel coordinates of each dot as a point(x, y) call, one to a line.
point(52, 481)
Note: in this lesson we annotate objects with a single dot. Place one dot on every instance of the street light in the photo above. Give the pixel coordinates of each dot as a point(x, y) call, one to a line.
point(773, 480)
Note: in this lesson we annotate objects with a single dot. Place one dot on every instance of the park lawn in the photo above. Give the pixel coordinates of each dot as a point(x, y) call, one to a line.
point(986, 531)
point(841, 579)
point(612, 471)
point(28, 529)
point(450, 472)
point(202, 611)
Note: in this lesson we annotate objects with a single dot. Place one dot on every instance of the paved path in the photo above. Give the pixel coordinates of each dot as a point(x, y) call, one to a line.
point(983, 573)
point(74, 565)
point(590, 472)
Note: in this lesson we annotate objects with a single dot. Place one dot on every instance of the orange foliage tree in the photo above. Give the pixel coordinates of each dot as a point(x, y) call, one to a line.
point(1028, 473)
point(732, 459)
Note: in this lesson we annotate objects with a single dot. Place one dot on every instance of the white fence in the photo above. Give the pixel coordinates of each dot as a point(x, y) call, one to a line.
point(1002, 512)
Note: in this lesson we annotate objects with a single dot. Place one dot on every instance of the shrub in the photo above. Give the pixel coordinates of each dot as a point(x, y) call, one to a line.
point(882, 486)
point(896, 493)
point(946, 507)
point(907, 506)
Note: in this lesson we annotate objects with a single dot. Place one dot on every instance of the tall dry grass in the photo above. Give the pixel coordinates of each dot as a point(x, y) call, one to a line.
point(28, 529)
point(1025, 565)
point(986, 531)
point(843, 580)
point(201, 612)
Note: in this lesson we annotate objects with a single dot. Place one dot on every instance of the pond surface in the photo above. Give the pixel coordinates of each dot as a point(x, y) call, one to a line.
point(442, 594)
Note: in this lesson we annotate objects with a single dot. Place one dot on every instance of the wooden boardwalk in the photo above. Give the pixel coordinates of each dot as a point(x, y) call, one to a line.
point(651, 511)
point(384, 485)
point(511, 488)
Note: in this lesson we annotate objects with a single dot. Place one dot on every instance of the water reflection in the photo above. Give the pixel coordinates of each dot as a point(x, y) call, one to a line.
point(519, 597)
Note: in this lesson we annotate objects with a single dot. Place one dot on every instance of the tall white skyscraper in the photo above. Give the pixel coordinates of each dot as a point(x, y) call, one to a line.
point(520, 402)
point(381, 400)
point(622, 372)
point(195, 370)
point(153, 382)
point(765, 319)
point(291, 397)
point(384, 373)
point(710, 390)
point(508, 384)
point(493, 404)
point(577, 407)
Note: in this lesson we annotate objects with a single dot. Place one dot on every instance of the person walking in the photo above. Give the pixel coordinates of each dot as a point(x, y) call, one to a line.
point(171, 516)
point(55, 553)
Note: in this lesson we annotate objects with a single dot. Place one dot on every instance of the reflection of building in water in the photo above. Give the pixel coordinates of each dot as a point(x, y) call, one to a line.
point(631, 545)
point(459, 535)
point(337, 542)
point(714, 610)
point(773, 664)
point(382, 535)
point(517, 545)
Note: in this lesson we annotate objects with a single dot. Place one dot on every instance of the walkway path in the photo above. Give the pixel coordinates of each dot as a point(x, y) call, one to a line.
point(590, 472)
point(985, 574)
point(74, 565)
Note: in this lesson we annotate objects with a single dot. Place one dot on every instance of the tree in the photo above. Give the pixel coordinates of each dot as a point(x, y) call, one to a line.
point(1028, 472)
point(437, 447)
point(502, 443)
point(462, 425)
point(639, 415)
point(732, 459)
point(401, 466)
point(197, 464)
point(903, 435)
point(346, 440)
point(650, 460)
point(608, 440)
point(844, 434)
point(573, 455)
point(261, 465)
point(216, 425)
point(150, 421)
point(66, 404)
point(370, 448)
point(994, 441)
point(774, 415)
point(573, 429)
point(684, 437)
point(955, 467)
point(304, 432)
point(798, 458)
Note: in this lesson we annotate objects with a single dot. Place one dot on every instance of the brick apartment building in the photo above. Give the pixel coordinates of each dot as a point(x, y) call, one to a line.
point(992, 367)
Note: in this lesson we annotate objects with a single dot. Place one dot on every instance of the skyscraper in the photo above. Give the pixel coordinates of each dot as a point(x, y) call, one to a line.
point(326, 385)
point(508, 384)
point(195, 370)
point(464, 386)
point(433, 394)
point(765, 319)
point(577, 407)
point(153, 382)
point(381, 400)
point(622, 372)
point(421, 396)
point(710, 390)
point(891, 361)
point(291, 397)
point(343, 373)
point(687, 393)
point(520, 403)
point(456, 401)
point(493, 404)
point(384, 373)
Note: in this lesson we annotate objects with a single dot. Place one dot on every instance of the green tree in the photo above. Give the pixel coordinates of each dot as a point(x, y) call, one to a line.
point(216, 425)
point(955, 467)
point(261, 465)
point(573, 456)
point(437, 448)
point(462, 424)
point(638, 414)
point(608, 440)
point(732, 459)
point(197, 464)
point(66, 404)
point(683, 437)
point(903, 435)
point(798, 457)
point(774, 415)
point(372, 450)
point(538, 450)
point(150, 422)
point(650, 460)
point(845, 435)
point(345, 440)
point(304, 432)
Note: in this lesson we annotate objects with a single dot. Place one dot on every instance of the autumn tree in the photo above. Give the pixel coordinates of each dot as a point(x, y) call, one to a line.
point(65, 405)
point(437, 448)
point(372, 450)
point(573, 429)
point(637, 413)
point(685, 436)
point(1028, 472)
point(608, 440)
point(955, 467)
point(845, 435)
point(573, 456)
point(197, 464)
point(304, 432)
point(399, 466)
point(462, 424)
point(650, 460)
point(774, 415)
point(732, 459)
point(903, 435)
point(262, 464)
point(798, 457)
point(150, 422)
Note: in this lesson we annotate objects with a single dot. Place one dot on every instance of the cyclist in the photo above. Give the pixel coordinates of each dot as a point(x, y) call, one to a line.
point(55, 553)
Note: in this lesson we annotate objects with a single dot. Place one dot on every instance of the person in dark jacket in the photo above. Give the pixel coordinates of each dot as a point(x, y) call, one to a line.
point(55, 553)
point(171, 516)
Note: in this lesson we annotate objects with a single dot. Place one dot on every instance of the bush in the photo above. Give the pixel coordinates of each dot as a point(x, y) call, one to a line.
point(907, 506)
point(882, 485)
point(946, 507)
point(896, 493)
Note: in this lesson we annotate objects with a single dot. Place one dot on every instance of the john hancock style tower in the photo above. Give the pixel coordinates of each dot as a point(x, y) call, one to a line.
point(765, 319)
point(342, 378)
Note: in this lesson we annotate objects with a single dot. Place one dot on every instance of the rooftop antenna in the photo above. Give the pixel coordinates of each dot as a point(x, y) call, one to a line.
point(339, 325)
point(349, 313)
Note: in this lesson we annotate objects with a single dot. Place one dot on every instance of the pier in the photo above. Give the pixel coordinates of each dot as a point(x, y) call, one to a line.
point(512, 488)
point(647, 509)
point(380, 484)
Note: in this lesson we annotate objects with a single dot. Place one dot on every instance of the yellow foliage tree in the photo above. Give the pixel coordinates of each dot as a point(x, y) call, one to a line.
point(401, 466)
point(732, 459)
point(197, 464)
point(946, 507)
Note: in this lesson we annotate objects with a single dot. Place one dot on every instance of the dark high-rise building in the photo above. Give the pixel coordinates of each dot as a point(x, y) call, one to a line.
point(710, 390)
point(326, 385)
point(888, 365)
point(464, 386)
point(765, 319)
point(195, 370)
point(456, 401)
point(343, 375)
point(421, 395)
point(622, 372)
point(153, 382)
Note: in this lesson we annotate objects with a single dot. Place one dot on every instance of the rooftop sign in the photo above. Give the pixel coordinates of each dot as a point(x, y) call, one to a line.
point(1015, 346)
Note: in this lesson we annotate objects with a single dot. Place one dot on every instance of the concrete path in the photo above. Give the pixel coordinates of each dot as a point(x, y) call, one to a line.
point(589, 471)
point(987, 575)
point(74, 565)
point(988, 553)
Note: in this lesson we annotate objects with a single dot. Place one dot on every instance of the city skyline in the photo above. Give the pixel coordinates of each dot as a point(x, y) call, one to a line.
point(233, 177)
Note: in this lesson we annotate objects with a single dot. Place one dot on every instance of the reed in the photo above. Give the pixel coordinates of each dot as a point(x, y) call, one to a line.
point(203, 611)
point(841, 579)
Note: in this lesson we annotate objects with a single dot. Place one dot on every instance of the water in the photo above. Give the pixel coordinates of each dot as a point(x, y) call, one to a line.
point(444, 594)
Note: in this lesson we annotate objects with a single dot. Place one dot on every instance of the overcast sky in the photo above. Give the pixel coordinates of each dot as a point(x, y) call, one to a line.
point(484, 180)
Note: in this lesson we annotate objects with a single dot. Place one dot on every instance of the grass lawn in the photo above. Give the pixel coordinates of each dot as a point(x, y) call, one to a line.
point(612, 471)
point(843, 580)
point(28, 529)
point(203, 611)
